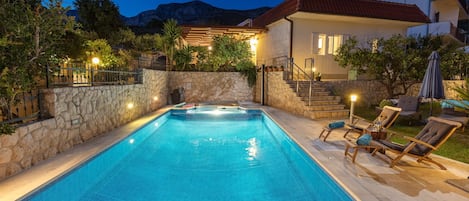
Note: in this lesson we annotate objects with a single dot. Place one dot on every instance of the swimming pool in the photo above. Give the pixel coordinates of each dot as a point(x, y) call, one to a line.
point(199, 154)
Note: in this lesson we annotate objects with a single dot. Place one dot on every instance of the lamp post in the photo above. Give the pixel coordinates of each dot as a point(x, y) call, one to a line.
point(95, 61)
point(353, 99)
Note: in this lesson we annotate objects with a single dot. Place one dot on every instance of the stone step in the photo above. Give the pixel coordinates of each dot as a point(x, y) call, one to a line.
point(304, 91)
point(323, 102)
point(322, 97)
point(329, 114)
point(325, 107)
point(315, 93)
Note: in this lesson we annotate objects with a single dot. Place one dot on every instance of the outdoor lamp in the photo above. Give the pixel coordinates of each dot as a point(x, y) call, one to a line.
point(95, 60)
point(353, 99)
point(130, 105)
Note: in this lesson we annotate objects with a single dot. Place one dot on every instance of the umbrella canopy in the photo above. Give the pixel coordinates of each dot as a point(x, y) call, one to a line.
point(432, 85)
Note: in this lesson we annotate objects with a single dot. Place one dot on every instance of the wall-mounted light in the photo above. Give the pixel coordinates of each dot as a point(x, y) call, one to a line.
point(130, 106)
point(155, 98)
point(253, 42)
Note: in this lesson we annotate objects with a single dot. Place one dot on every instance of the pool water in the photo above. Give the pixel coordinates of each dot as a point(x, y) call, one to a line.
point(197, 155)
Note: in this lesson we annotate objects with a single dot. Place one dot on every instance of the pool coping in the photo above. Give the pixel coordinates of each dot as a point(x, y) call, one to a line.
point(353, 177)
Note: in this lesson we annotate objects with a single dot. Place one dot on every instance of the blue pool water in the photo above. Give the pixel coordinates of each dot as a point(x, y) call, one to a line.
point(199, 154)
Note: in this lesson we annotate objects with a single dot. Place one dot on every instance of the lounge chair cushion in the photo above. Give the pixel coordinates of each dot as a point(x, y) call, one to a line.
point(408, 103)
point(432, 133)
point(387, 117)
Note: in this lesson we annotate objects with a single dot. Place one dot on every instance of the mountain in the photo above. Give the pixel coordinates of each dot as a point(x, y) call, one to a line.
point(194, 13)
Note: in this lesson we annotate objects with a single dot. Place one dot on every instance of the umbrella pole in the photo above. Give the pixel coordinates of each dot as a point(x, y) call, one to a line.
point(431, 106)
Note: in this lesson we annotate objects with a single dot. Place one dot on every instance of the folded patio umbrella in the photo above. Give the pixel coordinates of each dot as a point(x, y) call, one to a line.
point(432, 84)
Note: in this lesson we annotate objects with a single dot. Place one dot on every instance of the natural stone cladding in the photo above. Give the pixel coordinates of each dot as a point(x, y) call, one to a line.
point(370, 92)
point(79, 114)
point(211, 86)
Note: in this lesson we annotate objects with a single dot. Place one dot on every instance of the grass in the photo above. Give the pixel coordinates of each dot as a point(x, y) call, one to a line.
point(456, 148)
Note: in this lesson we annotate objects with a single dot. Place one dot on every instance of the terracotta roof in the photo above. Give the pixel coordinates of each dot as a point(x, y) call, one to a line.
point(357, 8)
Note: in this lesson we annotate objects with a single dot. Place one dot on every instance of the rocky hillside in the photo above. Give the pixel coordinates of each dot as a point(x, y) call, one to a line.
point(194, 13)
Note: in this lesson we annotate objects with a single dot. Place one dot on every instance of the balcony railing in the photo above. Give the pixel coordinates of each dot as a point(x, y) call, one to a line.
point(88, 75)
point(438, 28)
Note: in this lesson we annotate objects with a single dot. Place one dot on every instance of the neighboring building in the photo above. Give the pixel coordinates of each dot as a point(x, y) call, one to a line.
point(305, 29)
point(445, 16)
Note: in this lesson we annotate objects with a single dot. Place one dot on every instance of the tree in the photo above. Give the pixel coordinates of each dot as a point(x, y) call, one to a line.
point(171, 40)
point(100, 16)
point(228, 51)
point(149, 42)
point(397, 62)
point(30, 35)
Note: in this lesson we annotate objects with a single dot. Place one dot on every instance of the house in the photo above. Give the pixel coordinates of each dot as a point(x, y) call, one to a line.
point(310, 31)
point(446, 19)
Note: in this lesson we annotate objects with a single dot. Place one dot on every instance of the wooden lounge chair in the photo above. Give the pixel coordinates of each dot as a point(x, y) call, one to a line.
point(387, 117)
point(432, 136)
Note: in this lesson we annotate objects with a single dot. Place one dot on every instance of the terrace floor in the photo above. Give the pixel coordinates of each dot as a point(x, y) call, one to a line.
point(369, 178)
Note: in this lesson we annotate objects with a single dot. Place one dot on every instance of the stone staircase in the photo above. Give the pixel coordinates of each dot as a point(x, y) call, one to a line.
point(323, 104)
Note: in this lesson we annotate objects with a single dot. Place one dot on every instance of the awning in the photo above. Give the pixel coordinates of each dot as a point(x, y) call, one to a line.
point(203, 35)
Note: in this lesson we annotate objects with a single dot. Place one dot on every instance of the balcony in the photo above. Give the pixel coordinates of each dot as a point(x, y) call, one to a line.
point(438, 29)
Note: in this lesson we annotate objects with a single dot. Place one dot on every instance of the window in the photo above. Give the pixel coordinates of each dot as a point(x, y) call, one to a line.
point(323, 43)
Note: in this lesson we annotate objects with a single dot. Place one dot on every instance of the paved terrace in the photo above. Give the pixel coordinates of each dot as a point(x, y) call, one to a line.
point(369, 178)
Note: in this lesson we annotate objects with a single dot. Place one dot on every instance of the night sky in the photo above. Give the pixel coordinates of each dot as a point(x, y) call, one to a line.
point(130, 8)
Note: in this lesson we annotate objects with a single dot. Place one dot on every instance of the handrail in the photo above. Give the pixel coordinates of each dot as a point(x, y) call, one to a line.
point(299, 70)
point(292, 69)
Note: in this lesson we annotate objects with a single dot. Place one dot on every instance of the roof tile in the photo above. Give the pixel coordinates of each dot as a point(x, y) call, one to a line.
point(357, 8)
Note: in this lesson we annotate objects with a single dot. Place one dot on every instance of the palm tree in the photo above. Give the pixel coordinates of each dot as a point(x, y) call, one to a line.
point(171, 40)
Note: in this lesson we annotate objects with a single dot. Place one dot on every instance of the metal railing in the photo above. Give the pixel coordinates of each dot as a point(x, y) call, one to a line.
point(25, 108)
point(292, 72)
point(90, 76)
point(300, 76)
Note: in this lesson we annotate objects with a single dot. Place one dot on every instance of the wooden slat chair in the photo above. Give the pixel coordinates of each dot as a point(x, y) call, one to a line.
point(410, 108)
point(387, 117)
point(430, 138)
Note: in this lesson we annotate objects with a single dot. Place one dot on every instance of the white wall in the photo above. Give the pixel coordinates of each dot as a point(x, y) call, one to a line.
point(274, 43)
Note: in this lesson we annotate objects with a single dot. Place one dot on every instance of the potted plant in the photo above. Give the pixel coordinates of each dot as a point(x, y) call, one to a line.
point(318, 78)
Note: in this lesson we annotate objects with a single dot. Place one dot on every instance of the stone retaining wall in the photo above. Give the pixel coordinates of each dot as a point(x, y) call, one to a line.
point(211, 86)
point(370, 92)
point(278, 93)
point(79, 114)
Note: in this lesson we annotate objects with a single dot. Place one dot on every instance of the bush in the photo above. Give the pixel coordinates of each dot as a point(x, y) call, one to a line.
point(385, 102)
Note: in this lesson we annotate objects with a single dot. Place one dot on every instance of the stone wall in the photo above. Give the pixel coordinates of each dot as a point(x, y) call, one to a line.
point(370, 92)
point(211, 86)
point(278, 93)
point(79, 114)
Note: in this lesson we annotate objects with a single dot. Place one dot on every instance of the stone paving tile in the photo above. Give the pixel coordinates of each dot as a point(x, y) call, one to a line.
point(369, 178)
